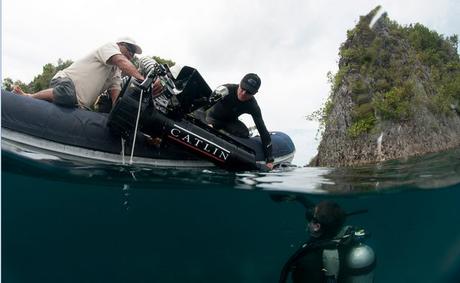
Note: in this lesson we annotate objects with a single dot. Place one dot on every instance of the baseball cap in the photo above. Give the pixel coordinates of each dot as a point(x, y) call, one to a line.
point(131, 42)
point(250, 83)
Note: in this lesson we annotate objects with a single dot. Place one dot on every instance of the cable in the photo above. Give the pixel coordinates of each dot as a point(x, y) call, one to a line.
point(135, 128)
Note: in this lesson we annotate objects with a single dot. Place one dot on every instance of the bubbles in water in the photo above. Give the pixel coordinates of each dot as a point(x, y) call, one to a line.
point(125, 195)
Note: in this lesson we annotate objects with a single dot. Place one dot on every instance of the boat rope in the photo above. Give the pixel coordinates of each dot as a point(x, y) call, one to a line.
point(135, 128)
point(123, 151)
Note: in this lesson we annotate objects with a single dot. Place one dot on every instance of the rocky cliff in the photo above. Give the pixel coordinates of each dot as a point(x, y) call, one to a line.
point(396, 94)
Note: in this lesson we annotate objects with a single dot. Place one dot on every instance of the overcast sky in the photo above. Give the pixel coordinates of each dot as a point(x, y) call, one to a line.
point(291, 44)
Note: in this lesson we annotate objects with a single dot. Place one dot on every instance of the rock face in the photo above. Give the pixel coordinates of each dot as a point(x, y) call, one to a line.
point(395, 95)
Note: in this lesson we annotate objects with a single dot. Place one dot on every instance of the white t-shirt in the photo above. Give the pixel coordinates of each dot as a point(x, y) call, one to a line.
point(92, 75)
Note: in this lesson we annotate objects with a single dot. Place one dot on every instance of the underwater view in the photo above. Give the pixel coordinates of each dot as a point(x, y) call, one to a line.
point(70, 222)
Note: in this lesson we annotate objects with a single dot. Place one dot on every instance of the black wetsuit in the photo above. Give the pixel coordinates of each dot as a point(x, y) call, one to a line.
point(305, 265)
point(224, 115)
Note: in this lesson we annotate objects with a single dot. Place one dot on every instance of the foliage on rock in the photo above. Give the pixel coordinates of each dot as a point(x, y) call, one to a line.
point(388, 70)
point(396, 94)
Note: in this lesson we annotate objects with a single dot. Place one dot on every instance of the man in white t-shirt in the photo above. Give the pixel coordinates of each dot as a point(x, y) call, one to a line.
point(81, 83)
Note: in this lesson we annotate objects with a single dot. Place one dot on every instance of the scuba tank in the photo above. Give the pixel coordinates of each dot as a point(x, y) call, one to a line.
point(350, 261)
point(345, 258)
point(360, 263)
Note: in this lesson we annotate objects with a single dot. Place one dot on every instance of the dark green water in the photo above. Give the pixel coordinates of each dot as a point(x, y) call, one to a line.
point(88, 224)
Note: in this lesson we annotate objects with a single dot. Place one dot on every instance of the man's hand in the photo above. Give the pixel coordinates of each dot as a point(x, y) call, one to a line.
point(269, 165)
point(157, 87)
point(114, 93)
point(155, 141)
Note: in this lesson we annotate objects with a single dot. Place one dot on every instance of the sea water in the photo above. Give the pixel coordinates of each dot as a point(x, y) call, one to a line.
point(67, 222)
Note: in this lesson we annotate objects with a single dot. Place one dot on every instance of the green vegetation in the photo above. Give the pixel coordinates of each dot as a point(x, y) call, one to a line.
point(323, 113)
point(41, 81)
point(389, 73)
point(49, 70)
point(361, 126)
point(394, 104)
point(8, 83)
point(164, 61)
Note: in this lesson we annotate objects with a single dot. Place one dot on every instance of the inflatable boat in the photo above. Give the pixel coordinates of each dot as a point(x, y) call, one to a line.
point(174, 137)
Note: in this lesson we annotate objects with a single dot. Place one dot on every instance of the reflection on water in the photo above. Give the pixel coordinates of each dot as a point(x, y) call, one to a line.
point(306, 180)
point(427, 172)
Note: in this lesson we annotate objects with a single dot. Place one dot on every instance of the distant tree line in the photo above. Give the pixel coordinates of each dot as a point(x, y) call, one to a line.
point(40, 81)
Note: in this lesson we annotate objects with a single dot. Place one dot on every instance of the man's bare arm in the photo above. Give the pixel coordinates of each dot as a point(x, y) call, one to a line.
point(125, 65)
point(114, 93)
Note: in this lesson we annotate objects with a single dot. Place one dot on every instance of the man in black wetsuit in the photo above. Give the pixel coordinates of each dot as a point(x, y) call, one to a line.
point(235, 100)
